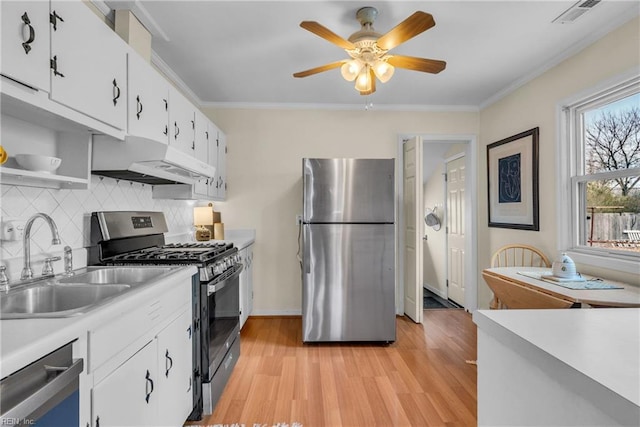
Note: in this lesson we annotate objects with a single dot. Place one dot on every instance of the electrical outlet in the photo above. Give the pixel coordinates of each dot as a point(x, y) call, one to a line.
point(298, 219)
point(12, 229)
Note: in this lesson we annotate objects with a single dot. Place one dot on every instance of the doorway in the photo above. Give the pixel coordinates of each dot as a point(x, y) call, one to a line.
point(431, 265)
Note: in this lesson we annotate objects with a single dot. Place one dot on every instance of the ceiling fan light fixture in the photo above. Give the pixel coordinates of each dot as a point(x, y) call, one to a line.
point(383, 70)
point(363, 82)
point(351, 69)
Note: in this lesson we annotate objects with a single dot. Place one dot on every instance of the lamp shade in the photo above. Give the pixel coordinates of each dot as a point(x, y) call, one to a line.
point(202, 215)
point(363, 82)
point(383, 70)
point(350, 69)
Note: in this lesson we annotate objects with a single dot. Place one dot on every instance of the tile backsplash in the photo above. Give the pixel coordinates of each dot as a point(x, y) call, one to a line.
point(71, 210)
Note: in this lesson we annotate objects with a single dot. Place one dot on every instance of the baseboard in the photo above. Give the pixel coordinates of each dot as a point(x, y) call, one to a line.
point(275, 313)
point(436, 291)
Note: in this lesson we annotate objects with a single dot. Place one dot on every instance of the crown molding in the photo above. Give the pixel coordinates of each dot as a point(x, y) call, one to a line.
point(174, 78)
point(338, 107)
point(593, 37)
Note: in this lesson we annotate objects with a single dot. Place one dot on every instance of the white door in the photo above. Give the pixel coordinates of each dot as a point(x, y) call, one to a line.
point(412, 150)
point(455, 228)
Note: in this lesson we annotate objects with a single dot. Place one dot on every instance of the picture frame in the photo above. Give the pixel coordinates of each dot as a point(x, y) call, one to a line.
point(512, 181)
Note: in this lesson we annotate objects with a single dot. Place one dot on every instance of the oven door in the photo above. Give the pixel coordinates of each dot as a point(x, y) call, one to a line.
point(220, 319)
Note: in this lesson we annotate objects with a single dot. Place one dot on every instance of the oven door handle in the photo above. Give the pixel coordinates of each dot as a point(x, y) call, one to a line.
point(215, 287)
point(42, 396)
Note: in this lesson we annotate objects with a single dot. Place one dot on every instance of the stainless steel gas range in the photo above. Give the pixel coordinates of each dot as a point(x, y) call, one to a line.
point(126, 237)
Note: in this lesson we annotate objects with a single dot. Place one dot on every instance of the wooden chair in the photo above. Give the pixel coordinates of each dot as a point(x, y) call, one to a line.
point(516, 255)
point(513, 295)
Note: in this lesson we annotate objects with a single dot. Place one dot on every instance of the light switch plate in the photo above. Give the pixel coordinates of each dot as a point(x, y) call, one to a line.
point(12, 229)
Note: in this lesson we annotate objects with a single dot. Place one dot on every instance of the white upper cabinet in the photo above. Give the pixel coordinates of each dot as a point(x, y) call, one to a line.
point(201, 147)
point(148, 97)
point(221, 168)
point(181, 122)
point(25, 42)
point(88, 64)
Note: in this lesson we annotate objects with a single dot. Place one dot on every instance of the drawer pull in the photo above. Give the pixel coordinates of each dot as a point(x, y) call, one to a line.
point(168, 363)
point(149, 383)
point(32, 34)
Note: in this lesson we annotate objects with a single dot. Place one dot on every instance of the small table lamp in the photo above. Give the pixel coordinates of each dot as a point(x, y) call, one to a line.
point(202, 216)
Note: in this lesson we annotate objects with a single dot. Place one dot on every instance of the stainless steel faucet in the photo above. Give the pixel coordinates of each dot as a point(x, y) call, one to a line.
point(27, 273)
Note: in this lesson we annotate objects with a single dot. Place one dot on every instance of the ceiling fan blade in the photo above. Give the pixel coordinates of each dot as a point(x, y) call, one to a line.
point(417, 64)
point(327, 34)
point(372, 76)
point(325, 67)
point(409, 28)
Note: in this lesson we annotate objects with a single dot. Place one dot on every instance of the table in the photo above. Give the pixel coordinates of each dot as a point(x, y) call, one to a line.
point(518, 291)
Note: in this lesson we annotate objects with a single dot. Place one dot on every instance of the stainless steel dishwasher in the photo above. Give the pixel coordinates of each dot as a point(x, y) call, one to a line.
point(43, 393)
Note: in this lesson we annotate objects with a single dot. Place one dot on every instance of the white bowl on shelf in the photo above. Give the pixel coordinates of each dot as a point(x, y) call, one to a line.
point(38, 163)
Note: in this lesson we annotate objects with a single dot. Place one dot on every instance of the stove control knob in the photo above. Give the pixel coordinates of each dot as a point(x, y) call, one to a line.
point(218, 268)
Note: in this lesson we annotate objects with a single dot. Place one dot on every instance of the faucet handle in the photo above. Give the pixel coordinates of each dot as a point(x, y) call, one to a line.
point(4, 280)
point(68, 260)
point(47, 269)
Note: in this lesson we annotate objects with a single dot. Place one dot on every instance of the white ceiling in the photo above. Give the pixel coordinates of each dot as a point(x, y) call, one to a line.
point(243, 53)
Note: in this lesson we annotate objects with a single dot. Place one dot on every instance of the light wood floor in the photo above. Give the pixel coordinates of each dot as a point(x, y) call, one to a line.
point(420, 380)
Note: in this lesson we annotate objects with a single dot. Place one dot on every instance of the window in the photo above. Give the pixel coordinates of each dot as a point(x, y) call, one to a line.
point(599, 175)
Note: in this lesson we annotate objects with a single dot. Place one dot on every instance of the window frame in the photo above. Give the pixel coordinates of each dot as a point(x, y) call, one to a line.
point(571, 174)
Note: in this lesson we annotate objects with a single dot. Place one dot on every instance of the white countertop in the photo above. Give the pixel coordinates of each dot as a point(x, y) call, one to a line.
point(602, 344)
point(240, 238)
point(23, 341)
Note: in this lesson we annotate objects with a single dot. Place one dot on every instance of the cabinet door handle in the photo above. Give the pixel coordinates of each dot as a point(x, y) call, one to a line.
point(116, 92)
point(168, 360)
point(166, 105)
point(32, 33)
point(97, 421)
point(175, 136)
point(53, 63)
point(190, 381)
point(53, 19)
point(149, 383)
point(139, 107)
point(193, 145)
point(189, 328)
point(207, 134)
point(166, 129)
point(193, 124)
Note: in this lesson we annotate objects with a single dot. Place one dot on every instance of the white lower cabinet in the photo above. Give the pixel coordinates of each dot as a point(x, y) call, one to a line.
point(154, 386)
point(175, 373)
point(126, 397)
point(246, 284)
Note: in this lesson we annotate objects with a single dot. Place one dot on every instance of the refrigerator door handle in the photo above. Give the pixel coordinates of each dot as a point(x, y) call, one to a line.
point(306, 182)
point(307, 248)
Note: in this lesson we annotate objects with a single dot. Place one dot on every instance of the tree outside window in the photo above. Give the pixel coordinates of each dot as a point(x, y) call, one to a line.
point(611, 138)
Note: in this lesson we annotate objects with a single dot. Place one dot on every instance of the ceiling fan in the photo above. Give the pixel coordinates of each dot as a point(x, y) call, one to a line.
point(369, 50)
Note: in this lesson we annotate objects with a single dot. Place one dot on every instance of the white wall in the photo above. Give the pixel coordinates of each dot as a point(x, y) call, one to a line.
point(264, 166)
point(534, 104)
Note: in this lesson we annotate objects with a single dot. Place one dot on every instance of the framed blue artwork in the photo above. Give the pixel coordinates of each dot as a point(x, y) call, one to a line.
point(512, 177)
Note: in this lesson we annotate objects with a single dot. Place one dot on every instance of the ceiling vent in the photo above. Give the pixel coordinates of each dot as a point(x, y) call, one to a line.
point(575, 11)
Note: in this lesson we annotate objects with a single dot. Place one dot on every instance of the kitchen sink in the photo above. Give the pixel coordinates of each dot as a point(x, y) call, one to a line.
point(116, 275)
point(51, 300)
point(65, 296)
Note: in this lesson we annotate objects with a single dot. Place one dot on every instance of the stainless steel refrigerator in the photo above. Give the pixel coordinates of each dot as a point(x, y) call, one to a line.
point(348, 248)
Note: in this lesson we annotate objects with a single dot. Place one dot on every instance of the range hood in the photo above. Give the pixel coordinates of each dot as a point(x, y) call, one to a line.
point(146, 161)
